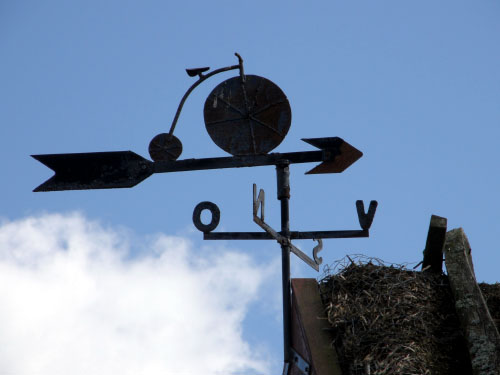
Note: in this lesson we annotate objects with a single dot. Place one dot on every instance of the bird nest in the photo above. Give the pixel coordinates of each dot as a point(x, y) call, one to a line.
point(387, 319)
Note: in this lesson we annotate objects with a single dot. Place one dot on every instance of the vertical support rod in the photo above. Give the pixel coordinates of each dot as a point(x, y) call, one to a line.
point(283, 179)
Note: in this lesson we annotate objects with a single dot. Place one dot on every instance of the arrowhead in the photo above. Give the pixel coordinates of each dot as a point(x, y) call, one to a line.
point(94, 170)
point(325, 143)
point(338, 154)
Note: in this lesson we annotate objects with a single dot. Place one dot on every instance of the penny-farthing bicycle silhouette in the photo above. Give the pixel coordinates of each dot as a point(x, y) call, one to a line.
point(244, 115)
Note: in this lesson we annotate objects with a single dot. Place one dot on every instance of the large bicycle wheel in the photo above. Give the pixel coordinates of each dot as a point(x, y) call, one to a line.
point(247, 118)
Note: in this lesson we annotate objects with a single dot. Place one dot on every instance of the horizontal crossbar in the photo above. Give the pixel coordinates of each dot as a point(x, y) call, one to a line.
point(293, 235)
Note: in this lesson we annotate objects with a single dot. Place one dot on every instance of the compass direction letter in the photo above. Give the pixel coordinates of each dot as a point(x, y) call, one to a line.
point(258, 201)
point(365, 219)
point(316, 250)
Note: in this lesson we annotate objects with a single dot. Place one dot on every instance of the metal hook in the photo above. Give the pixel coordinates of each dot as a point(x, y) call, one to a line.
point(316, 250)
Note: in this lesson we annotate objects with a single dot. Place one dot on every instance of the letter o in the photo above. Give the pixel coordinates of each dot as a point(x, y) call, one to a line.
point(214, 210)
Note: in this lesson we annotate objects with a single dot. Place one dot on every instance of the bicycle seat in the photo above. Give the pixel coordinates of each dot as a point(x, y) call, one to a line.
point(196, 71)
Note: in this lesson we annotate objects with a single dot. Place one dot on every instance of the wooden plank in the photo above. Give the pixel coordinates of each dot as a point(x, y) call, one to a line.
point(479, 329)
point(310, 329)
point(433, 253)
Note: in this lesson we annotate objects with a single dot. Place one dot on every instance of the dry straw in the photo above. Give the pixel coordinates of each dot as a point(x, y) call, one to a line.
point(387, 319)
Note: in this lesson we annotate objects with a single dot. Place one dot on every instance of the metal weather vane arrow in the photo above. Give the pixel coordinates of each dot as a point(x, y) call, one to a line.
point(125, 169)
point(246, 116)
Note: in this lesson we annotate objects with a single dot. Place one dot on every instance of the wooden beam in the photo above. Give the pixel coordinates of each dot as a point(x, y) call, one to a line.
point(482, 336)
point(311, 337)
point(433, 253)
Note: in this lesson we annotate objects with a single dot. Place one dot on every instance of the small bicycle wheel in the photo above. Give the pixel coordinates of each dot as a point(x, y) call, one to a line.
point(247, 118)
point(165, 147)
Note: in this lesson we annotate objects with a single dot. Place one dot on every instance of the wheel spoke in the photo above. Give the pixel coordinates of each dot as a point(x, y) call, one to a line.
point(218, 122)
point(265, 108)
point(257, 92)
point(253, 136)
point(171, 153)
point(231, 106)
point(265, 125)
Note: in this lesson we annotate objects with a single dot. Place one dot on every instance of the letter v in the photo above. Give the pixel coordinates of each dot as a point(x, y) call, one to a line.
point(365, 219)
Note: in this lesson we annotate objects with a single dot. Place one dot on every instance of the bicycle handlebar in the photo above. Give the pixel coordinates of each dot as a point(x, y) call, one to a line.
point(200, 80)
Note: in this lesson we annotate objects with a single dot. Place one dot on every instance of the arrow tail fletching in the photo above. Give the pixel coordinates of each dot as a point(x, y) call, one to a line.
point(94, 170)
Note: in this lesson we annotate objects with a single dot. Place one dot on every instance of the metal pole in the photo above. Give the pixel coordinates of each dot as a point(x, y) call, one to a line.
point(283, 179)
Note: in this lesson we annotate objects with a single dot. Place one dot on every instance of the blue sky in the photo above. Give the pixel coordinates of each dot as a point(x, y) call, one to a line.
point(414, 85)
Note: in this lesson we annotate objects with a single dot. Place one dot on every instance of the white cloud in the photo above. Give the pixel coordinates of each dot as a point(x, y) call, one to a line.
point(74, 301)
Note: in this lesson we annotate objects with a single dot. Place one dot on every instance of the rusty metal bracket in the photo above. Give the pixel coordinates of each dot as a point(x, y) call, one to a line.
point(286, 367)
point(300, 363)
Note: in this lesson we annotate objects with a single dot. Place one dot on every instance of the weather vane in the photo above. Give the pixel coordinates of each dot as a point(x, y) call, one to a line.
point(246, 116)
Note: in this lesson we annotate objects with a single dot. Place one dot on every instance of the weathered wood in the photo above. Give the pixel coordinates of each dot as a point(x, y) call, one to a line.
point(479, 329)
point(433, 252)
point(311, 337)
